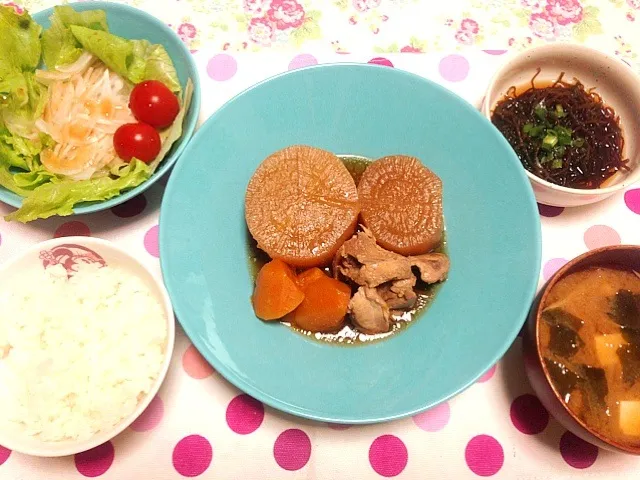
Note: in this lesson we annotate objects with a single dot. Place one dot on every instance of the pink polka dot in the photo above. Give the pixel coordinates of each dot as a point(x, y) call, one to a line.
point(598, 236)
point(96, 461)
point(5, 453)
point(192, 456)
point(576, 452)
point(488, 375)
point(292, 449)
point(222, 67)
point(632, 200)
point(302, 60)
point(244, 414)
point(150, 418)
point(338, 426)
point(72, 229)
point(151, 242)
point(130, 208)
point(484, 455)
point(195, 365)
point(434, 419)
point(381, 61)
point(454, 68)
point(549, 211)
point(528, 415)
point(495, 52)
point(552, 266)
point(388, 455)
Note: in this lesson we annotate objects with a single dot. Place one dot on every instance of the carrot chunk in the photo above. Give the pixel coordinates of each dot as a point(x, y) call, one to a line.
point(309, 276)
point(324, 306)
point(276, 293)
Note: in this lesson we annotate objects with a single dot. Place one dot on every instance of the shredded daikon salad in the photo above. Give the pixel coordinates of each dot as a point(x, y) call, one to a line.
point(66, 94)
point(77, 354)
point(82, 114)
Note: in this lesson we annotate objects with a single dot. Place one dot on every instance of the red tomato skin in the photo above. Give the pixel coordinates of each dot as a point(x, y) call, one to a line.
point(137, 140)
point(152, 102)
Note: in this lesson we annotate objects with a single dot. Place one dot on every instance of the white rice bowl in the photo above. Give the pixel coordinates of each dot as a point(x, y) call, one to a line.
point(87, 402)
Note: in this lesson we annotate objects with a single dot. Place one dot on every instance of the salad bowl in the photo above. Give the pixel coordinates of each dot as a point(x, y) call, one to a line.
point(129, 23)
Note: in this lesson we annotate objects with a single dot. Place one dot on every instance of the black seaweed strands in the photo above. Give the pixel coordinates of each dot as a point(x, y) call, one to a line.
point(562, 133)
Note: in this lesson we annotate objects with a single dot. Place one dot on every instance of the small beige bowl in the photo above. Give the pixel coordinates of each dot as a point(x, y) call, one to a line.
point(613, 80)
point(70, 251)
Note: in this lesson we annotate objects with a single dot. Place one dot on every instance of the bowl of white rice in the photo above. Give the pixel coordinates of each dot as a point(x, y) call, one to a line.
point(86, 337)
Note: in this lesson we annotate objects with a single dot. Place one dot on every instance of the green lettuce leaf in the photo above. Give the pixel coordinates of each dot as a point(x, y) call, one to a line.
point(31, 180)
point(136, 60)
point(152, 62)
point(16, 151)
point(59, 46)
point(20, 167)
point(59, 197)
point(19, 41)
point(22, 98)
point(22, 95)
point(114, 51)
point(174, 132)
point(8, 181)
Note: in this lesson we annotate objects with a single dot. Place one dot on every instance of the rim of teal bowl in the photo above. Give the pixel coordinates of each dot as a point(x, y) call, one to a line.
point(188, 127)
point(278, 404)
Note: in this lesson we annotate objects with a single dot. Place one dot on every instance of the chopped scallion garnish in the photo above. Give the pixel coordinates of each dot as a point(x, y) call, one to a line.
point(550, 140)
point(537, 131)
point(540, 112)
point(554, 138)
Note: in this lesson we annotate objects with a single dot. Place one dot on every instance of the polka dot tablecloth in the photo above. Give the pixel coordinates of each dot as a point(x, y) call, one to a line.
point(201, 426)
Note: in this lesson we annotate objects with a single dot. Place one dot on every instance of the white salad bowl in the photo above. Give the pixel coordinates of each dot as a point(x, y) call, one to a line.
point(70, 251)
point(612, 79)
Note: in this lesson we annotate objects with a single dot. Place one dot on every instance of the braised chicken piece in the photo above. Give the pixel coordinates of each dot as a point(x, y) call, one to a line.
point(369, 311)
point(433, 267)
point(386, 279)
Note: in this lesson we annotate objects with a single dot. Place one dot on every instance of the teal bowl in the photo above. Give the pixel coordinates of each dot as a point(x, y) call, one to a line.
point(129, 22)
point(493, 234)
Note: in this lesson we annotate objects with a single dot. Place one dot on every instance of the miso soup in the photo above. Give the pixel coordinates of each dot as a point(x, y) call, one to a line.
point(590, 341)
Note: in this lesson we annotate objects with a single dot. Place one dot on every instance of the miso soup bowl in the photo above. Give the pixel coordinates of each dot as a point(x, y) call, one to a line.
point(625, 255)
point(616, 83)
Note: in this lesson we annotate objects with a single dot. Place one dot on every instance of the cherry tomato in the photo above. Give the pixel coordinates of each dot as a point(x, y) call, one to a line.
point(137, 140)
point(153, 103)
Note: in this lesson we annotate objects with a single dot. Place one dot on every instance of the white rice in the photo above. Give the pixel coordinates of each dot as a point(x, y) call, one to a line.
point(77, 354)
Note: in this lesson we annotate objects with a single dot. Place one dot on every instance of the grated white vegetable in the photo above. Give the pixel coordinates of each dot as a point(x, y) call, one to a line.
point(77, 354)
point(84, 109)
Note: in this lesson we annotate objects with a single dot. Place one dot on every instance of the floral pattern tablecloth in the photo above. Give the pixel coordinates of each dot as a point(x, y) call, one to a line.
point(390, 26)
point(201, 426)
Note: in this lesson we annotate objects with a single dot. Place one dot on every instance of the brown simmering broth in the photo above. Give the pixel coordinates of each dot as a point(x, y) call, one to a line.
point(349, 335)
point(589, 337)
